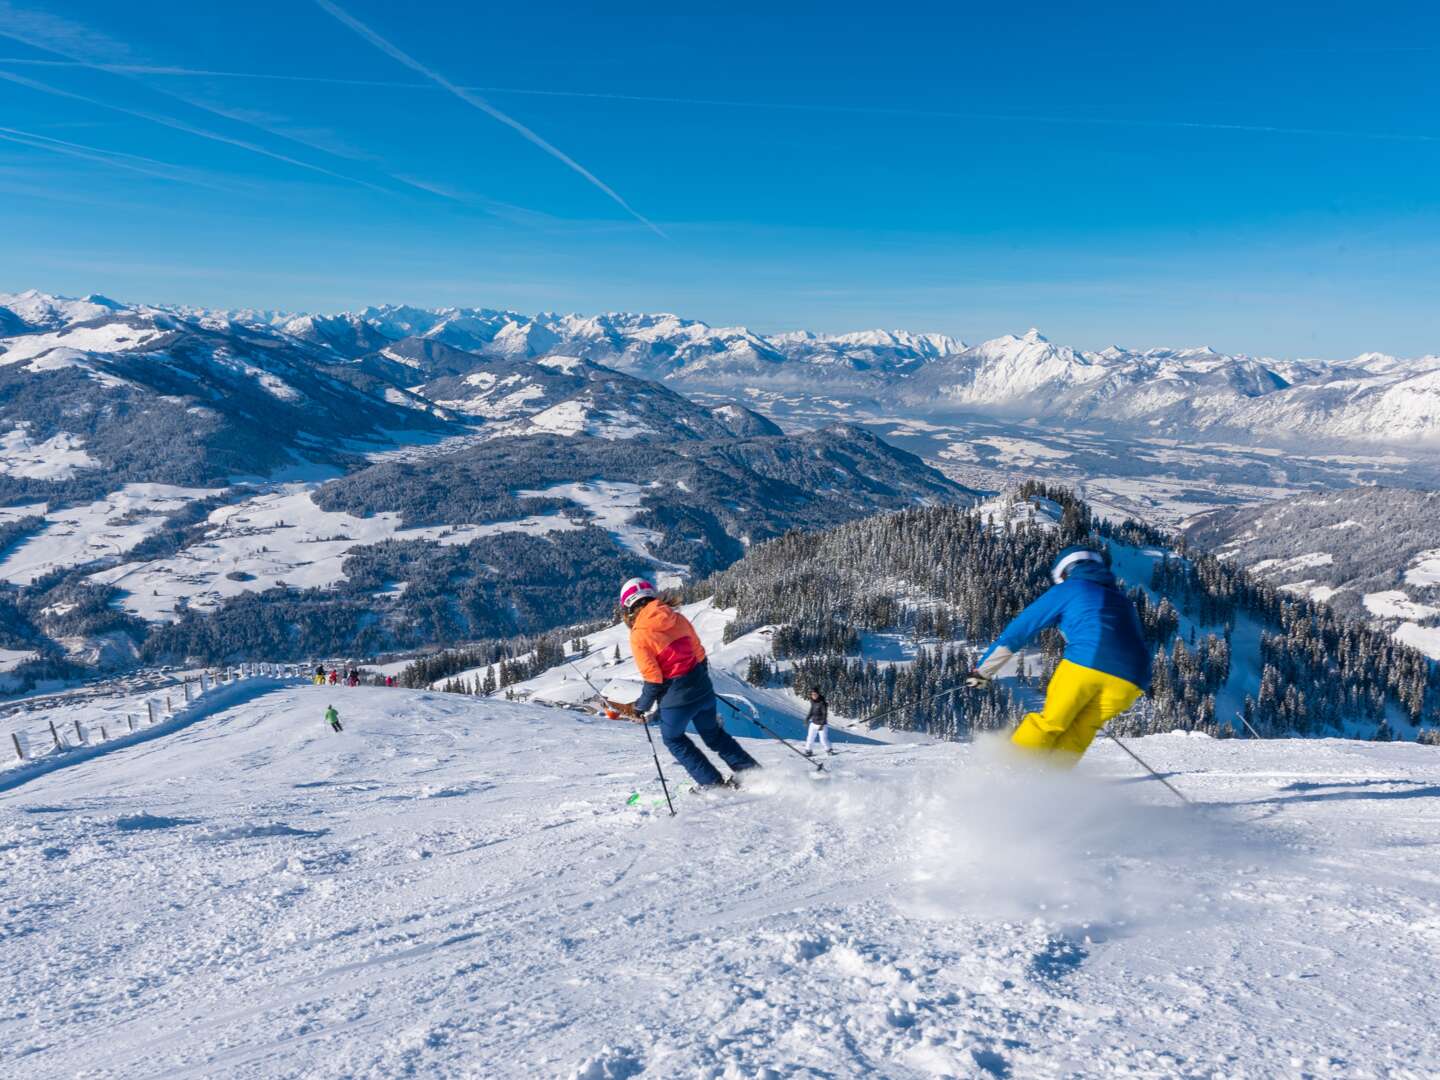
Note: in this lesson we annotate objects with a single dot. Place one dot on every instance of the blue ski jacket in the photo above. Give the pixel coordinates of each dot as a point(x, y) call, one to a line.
point(1100, 625)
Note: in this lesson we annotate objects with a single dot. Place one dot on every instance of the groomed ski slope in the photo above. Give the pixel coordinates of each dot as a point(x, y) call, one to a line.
point(453, 887)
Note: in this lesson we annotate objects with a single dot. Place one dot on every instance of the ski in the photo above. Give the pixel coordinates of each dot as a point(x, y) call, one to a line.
point(641, 801)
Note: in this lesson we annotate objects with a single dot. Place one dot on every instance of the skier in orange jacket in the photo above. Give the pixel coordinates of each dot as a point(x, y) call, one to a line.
point(677, 678)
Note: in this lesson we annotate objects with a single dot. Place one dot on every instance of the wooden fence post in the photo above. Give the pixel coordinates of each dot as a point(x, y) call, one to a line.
point(79, 733)
point(131, 718)
point(104, 735)
point(169, 710)
point(150, 710)
point(19, 750)
point(56, 734)
point(187, 691)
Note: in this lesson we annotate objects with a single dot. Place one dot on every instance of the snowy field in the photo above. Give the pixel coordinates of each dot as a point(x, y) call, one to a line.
point(274, 538)
point(79, 534)
point(454, 887)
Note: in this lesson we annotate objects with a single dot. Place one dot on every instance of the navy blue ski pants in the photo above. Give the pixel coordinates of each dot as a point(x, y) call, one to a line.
point(673, 723)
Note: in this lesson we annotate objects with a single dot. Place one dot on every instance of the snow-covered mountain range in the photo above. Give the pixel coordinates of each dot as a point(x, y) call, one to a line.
point(1372, 397)
point(163, 471)
point(94, 393)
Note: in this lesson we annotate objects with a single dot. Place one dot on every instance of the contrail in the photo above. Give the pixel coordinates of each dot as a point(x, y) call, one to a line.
point(786, 106)
point(163, 170)
point(58, 36)
point(484, 106)
point(180, 125)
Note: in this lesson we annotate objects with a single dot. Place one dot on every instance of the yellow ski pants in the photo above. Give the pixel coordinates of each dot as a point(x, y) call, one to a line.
point(1078, 701)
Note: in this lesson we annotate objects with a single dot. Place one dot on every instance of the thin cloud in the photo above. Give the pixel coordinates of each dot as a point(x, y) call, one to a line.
point(162, 170)
point(80, 46)
point(53, 33)
point(189, 129)
point(785, 106)
point(340, 15)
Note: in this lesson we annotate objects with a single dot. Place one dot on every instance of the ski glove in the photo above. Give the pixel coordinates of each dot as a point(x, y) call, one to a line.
point(976, 681)
point(989, 667)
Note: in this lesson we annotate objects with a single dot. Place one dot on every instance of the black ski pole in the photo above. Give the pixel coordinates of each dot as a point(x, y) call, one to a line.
point(658, 771)
point(869, 721)
point(604, 701)
point(753, 717)
point(649, 738)
point(1173, 789)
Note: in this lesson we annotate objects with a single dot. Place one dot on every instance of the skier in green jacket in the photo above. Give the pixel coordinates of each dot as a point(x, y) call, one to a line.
point(333, 718)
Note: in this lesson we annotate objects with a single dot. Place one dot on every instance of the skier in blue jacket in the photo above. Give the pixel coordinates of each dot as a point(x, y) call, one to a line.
point(1106, 666)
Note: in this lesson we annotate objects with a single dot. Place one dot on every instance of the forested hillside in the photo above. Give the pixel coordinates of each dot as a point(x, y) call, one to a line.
point(1372, 553)
point(1230, 650)
point(515, 536)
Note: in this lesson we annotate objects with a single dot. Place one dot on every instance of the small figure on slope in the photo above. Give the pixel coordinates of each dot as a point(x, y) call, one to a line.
point(1106, 666)
point(333, 718)
point(818, 720)
point(320, 675)
point(677, 678)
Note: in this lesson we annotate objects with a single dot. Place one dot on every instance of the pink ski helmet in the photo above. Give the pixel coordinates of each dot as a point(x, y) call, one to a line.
point(634, 590)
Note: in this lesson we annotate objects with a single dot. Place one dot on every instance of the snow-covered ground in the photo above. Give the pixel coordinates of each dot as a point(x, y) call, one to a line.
point(78, 534)
point(1424, 571)
point(55, 458)
point(279, 536)
point(614, 506)
point(454, 887)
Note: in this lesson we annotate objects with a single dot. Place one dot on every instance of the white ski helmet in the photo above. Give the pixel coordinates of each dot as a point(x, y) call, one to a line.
point(634, 590)
point(1067, 558)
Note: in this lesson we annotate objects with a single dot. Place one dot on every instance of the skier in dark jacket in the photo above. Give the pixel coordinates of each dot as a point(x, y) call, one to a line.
point(818, 720)
point(677, 678)
point(1106, 666)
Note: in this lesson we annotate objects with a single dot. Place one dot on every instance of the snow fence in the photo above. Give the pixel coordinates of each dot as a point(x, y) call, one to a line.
point(35, 751)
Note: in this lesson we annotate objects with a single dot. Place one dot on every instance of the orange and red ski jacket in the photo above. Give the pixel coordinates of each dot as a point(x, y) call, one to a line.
point(670, 658)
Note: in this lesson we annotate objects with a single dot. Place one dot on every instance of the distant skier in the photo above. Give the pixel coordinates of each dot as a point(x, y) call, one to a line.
point(320, 675)
point(677, 678)
point(333, 718)
point(818, 720)
point(1106, 666)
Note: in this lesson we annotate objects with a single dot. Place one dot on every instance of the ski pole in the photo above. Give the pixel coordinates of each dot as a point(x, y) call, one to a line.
point(649, 738)
point(658, 771)
point(604, 704)
point(753, 717)
point(869, 721)
point(1248, 726)
point(1173, 789)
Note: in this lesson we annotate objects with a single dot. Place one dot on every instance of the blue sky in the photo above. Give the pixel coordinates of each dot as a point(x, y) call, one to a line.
point(1261, 178)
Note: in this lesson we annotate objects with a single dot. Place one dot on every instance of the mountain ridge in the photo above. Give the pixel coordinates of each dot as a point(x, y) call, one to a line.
point(1373, 397)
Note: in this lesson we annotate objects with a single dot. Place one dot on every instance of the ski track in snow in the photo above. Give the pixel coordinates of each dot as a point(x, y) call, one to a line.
point(452, 887)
